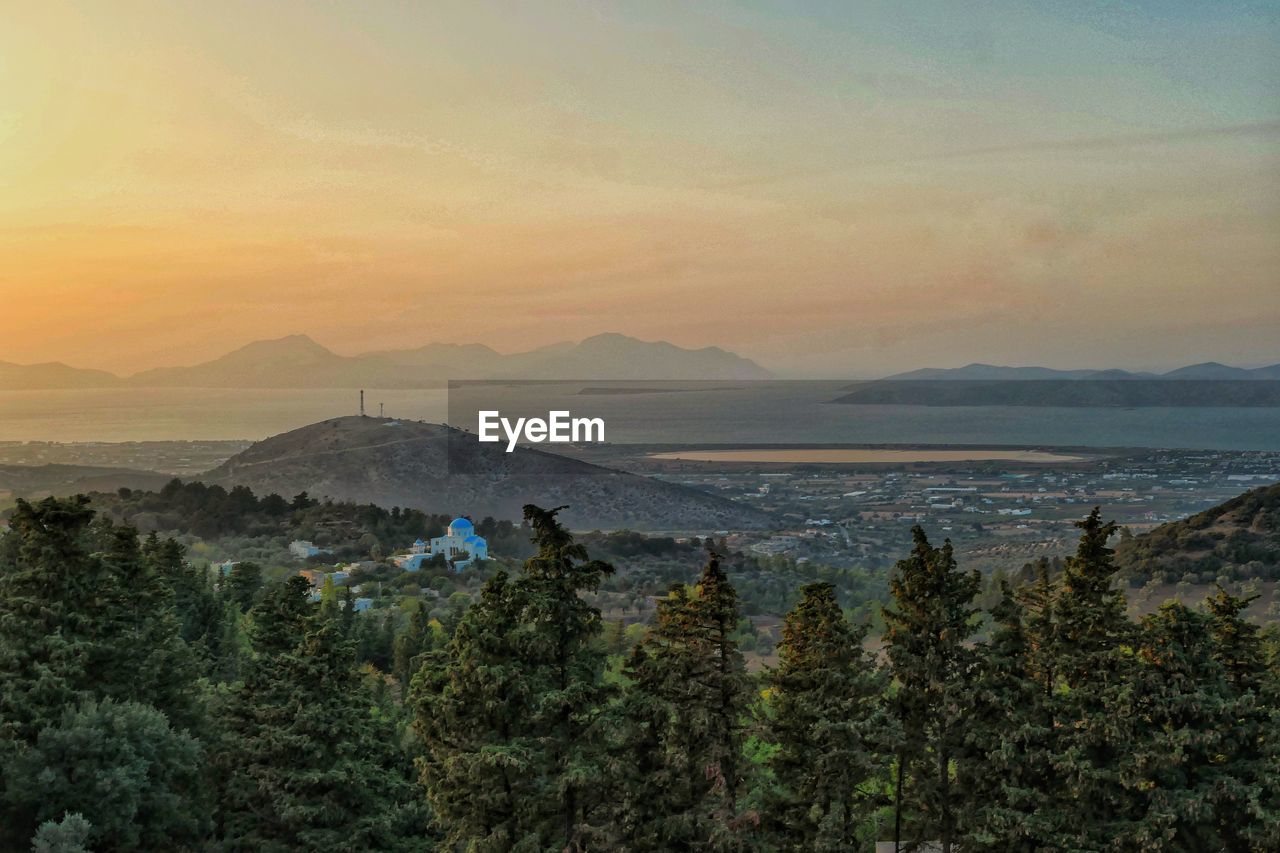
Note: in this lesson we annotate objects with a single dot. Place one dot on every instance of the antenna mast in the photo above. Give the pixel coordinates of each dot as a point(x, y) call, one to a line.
point(362, 402)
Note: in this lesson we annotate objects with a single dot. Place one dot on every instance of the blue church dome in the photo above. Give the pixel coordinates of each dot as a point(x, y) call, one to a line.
point(473, 539)
point(460, 527)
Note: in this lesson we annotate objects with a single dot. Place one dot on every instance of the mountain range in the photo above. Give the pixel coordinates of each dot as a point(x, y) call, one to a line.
point(297, 361)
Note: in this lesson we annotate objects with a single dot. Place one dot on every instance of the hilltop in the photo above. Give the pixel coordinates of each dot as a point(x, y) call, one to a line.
point(1239, 538)
point(439, 469)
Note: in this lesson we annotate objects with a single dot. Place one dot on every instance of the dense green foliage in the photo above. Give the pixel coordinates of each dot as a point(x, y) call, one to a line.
point(1237, 539)
point(263, 527)
point(148, 704)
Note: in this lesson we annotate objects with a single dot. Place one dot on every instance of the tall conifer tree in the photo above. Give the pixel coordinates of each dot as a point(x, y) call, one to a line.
point(927, 628)
point(516, 699)
point(1091, 646)
point(828, 725)
point(685, 716)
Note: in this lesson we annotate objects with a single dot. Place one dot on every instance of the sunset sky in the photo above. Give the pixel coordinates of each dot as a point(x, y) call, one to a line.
point(830, 188)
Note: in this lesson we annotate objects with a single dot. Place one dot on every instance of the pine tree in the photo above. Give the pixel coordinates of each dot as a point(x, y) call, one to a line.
point(1091, 649)
point(516, 700)
point(420, 636)
point(828, 726)
point(1193, 760)
point(926, 633)
point(1254, 763)
point(307, 764)
point(140, 655)
point(244, 584)
point(684, 723)
point(472, 701)
point(1006, 768)
point(50, 591)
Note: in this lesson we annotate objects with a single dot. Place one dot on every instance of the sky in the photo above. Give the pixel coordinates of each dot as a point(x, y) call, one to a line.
point(832, 189)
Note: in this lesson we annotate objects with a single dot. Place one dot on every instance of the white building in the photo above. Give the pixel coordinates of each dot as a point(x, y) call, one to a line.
point(302, 549)
point(459, 544)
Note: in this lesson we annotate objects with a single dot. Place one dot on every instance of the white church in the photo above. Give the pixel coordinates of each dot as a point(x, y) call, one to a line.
point(459, 544)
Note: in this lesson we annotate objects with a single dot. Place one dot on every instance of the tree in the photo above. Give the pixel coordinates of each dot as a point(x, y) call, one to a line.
point(307, 763)
point(243, 584)
point(69, 835)
point(1090, 644)
point(683, 723)
point(828, 725)
point(124, 768)
point(421, 635)
point(1239, 649)
point(1005, 768)
point(139, 652)
point(50, 592)
point(479, 764)
point(1195, 758)
point(926, 635)
point(515, 700)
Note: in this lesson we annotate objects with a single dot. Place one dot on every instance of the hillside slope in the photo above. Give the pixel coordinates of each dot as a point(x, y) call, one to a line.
point(438, 469)
point(1239, 538)
point(37, 481)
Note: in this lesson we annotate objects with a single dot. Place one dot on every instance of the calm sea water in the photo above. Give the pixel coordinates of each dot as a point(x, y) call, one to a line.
point(719, 413)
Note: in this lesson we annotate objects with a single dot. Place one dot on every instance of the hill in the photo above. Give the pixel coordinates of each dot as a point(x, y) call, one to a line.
point(298, 361)
point(438, 469)
point(1123, 393)
point(1239, 538)
point(52, 375)
point(34, 481)
point(992, 372)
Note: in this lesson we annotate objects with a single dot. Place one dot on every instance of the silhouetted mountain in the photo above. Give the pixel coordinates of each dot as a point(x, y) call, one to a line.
point(978, 371)
point(299, 362)
point(1090, 393)
point(52, 375)
point(991, 372)
point(291, 362)
point(439, 469)
point(614, 356)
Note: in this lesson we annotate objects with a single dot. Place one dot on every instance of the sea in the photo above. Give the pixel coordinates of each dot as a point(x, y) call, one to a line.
point(708, 413)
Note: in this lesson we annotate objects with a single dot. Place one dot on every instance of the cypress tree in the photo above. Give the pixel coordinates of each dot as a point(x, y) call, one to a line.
point(140, 655)
point(927, 627)
point(828, 726)
point(244, 583)
point(50, 606)
point(1006, 765)
point(1091, 648)
point(1238, 648)
point(684, 723)
point(307, 763)
point(472, 701)
point(1194, 760)
point(516, 700)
